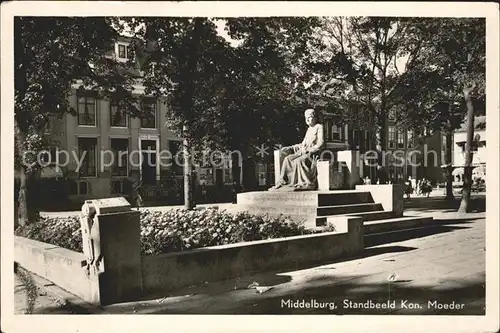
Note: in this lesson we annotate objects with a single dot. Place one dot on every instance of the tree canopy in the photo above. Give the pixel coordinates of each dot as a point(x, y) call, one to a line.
point(50, 55)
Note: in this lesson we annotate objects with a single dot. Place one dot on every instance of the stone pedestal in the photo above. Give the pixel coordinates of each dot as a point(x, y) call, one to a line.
point(389, 195)
point(331, 175)
point(112, 246)
point(352, 160)
point(310, 207)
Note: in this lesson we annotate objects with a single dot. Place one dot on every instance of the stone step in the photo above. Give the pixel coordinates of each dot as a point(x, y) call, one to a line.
point(344, 198)
point(376, 215)
point(304, 198)
point(348, 209)
point(394, 224)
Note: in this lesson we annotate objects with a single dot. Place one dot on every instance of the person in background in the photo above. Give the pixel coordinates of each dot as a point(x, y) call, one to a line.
point(382, 176)
point(134, 189)
point(408, 188)
point(413, 182)
point(236, 190)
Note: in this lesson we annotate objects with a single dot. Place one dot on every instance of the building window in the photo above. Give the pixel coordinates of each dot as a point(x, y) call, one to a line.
point(149, 115)
point(355, 139)
point(78, 188)
point(49, 156)
point(87, 111)
point(83, 188)
point(87, 148)
point(262, 173)
point(123, 51)
point(368, 141)
point(401, 138)
point(119, 147)
point(117, 187)
point(392, 115)
point(444, 143)
point(118, 116)
point(410, 139)
point(336, 134)
point(392, 137)
point(228, 179)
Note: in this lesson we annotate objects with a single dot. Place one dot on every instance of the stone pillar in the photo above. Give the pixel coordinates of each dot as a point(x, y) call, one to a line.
point(112, 245)
point(330, 175)
point(353, 163)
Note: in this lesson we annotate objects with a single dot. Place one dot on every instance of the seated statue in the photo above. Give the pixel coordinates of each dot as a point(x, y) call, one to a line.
point(298, 170)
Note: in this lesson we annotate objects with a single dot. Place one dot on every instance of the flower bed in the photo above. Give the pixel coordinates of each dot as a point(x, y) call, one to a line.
point(175, 230)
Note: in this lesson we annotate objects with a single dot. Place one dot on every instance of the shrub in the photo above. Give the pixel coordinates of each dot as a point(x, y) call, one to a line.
point(175, 230)
point(64, 232)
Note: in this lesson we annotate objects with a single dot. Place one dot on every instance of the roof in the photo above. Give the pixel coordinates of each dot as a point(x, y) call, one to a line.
point(479, 124)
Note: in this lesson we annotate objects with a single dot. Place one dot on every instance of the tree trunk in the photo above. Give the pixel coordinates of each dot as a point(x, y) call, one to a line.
point(449, 169)
point(22, 207)
point(189, 72)
point(380, 137)
point(28, 198)
point(467, 177)
point(188, 180)
point(249, 177)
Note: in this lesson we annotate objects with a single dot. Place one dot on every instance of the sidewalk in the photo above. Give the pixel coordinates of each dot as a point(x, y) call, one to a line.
point(443, 264)
point(34, 299)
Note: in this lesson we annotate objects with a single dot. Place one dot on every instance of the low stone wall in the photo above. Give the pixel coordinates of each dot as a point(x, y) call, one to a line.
point(54, 263)
point(181, 269)
point(166, 272)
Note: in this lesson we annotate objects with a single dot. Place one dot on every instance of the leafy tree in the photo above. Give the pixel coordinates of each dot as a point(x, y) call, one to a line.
point(266, 92)
point(363, 65)
point(420, 69)
point(221, 95)
point(459, 47)
point(185, 62)
point(51, 54)
point(452, 65)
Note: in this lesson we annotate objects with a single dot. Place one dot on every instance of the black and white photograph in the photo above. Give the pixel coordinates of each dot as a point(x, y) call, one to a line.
point(288, 160)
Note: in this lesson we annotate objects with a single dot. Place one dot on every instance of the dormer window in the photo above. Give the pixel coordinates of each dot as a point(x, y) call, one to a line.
point(123, 50)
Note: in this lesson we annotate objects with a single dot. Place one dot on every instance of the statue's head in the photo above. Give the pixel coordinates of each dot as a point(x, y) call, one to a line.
point(311, 117)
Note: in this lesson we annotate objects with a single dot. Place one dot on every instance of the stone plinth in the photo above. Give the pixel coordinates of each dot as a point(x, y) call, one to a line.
point(306, 206)
point(112, 246)
point(353, 163)
point(331, 175)
point(389, 195)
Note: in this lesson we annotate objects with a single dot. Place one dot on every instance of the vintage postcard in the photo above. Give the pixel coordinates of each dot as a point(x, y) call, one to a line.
point(251, 166)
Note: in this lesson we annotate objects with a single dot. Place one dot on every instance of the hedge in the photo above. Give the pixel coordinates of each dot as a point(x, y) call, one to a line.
point(175, 230)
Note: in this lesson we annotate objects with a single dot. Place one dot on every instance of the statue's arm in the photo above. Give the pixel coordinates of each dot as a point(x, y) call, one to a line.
point(320, 140)
point(297, 146)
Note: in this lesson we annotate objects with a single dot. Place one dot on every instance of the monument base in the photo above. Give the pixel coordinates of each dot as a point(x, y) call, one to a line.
point(315, 208)
point(310, 207)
